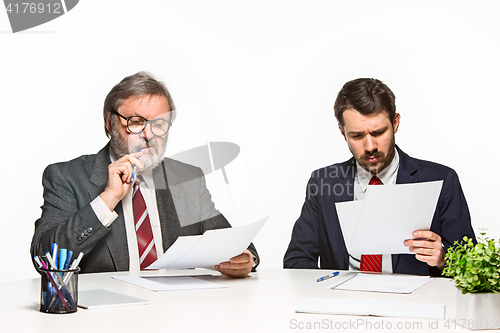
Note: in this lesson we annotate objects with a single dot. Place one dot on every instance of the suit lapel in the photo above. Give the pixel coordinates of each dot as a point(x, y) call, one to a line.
point(342, 176)
point(170, 227)
point(116, 240)
point(345, 176)
point(407, 172)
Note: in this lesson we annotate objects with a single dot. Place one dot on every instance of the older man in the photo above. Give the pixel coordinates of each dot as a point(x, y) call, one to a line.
point(127, 204)
point(366, 113)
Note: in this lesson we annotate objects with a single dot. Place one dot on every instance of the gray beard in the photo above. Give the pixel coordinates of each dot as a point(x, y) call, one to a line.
point(121, 148)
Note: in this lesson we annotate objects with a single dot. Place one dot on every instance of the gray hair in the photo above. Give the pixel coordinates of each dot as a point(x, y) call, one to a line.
point(139, 84)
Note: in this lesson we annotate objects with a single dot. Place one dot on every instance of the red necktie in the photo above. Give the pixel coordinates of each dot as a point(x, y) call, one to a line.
point(372, 262)
point(145, 241)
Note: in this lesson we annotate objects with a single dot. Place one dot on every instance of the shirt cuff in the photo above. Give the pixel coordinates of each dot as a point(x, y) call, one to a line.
point(102, 211)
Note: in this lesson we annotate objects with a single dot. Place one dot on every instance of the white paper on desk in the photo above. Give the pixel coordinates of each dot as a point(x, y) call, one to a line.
point(384, 283)
point(210, 249)
point(387, 216)
point(373, 307)
point(169, 283)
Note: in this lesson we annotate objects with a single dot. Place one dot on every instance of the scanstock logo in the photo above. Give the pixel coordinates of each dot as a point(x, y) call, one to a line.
point(24, 14)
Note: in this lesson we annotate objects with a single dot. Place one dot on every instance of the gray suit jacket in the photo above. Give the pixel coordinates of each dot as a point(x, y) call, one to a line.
point(185, 208)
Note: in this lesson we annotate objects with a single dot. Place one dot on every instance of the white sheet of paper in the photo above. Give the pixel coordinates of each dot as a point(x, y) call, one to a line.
point(209, 249)
point(365, 307)
point(106, 298)
point(387, 216)
point(349, 214)
point(169, 283)
point(384, 283)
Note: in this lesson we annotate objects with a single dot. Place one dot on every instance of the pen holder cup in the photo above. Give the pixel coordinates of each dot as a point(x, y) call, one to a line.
point(59, 290)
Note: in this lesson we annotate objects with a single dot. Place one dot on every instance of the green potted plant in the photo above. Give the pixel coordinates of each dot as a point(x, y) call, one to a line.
point(475, 268)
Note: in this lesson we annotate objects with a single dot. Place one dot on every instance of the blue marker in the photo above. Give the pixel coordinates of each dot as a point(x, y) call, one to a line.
point(68, 259)
point(62, 258)
point(326, 277)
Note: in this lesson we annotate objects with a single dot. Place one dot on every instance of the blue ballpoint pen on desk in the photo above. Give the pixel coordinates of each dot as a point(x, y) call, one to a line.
point(326, 277)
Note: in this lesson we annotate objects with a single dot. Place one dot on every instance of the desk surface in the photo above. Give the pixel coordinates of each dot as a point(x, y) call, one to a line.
point(263, 302)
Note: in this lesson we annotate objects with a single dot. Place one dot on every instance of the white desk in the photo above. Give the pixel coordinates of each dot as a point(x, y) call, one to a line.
point(263, 302)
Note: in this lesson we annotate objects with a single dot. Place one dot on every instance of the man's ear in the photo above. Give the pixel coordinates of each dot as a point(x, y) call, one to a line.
point(108, 123)
point(395, 122)
point(342, 132)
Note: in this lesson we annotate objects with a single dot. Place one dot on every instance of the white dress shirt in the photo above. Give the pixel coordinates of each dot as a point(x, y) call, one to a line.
point(107, 217)
point(388, 176)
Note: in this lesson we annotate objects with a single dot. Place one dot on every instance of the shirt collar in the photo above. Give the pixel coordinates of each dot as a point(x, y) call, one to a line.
point(387, 176)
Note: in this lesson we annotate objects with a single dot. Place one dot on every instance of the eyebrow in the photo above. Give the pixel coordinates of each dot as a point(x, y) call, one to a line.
point(379, 130)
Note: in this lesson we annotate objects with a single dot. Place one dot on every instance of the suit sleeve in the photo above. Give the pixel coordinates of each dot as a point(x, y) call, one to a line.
point(63, 220)
point(303, 250)
point(452, 219)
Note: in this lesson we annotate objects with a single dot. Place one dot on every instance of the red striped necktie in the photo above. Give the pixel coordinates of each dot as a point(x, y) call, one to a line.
point(372, 262)
point(145, 240)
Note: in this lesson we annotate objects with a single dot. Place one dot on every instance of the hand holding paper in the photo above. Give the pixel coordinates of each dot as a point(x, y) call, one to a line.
point(238, 266)
point(428, 248)
point(388, 216)
point(214, 247)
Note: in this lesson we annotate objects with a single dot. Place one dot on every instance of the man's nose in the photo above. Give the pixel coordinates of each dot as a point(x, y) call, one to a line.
point(370, 143)
point(146, 132)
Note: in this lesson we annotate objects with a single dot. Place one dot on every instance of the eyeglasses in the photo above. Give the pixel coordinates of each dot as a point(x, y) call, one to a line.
point(137, 124)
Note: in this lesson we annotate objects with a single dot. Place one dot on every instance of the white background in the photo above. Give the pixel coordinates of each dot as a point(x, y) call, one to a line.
point(261, 74)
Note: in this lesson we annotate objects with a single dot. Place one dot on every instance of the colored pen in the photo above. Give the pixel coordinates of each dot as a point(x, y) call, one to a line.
point(51, 261)
point(74, 265)
point(134, 170)
point(68, 259)
point(62, 258)
point(37, 260)
point(76, 262)
point(326, 277)
point(55, 286)
point(53, 249)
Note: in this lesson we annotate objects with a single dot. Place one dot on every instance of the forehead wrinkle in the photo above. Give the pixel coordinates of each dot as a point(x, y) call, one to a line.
point(140, 104)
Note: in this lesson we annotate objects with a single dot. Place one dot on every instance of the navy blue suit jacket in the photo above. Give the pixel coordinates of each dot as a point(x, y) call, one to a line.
point(317, 232)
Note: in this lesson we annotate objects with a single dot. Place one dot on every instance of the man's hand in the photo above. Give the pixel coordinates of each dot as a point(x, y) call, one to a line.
point(238, 266)
point(428, 248)
point(119, 175)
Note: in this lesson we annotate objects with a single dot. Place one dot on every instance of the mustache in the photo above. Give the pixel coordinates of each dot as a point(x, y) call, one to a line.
point(143, 144)
point(369, 154)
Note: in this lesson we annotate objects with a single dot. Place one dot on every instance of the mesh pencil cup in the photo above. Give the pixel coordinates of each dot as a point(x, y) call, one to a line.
point(59, 290)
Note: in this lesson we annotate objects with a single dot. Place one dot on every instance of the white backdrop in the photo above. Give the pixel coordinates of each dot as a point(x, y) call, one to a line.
point(261, 74)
